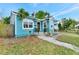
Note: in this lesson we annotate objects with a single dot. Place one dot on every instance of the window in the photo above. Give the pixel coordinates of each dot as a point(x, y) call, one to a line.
point(55, 30)
point(51, 26)
point(44, 25)
point(30, 25)
point(25, 24)
point(55, 24)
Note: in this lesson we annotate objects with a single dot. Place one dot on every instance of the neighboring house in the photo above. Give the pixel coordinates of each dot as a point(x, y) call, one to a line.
point(77, 26)
point(30, 25)
point(55, 22)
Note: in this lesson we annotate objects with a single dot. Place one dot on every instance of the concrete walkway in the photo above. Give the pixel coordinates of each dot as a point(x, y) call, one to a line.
point(53, 40)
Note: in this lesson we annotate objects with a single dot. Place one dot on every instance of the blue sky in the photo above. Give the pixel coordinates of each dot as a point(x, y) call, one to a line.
point(58, 10)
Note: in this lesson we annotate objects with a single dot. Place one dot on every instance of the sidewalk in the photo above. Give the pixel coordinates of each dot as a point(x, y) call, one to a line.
point(53, 40)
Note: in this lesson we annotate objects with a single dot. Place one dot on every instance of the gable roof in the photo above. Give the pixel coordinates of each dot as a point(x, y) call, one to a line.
point(33, 18)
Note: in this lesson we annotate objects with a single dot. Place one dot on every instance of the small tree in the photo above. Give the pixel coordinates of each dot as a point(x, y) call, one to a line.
point(72, 23)
point(40, 14)
point(22, 13)
point(68, 24)
point(6, 20)
point(59, 26)
point(46, 13)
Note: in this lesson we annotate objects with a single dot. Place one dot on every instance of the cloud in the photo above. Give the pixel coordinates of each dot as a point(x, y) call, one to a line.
point(73, 8)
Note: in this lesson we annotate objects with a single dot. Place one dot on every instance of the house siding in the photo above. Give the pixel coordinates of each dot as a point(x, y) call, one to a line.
point(35, 25)
point(48, 29)
point(41, 30)
point(51, 29)
point(19, 31)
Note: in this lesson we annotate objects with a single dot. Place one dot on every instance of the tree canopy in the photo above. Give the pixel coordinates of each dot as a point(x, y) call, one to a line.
point(60, 26)
point(22, 13)
point(6, 20)
point(40, 14)
point(68, 23)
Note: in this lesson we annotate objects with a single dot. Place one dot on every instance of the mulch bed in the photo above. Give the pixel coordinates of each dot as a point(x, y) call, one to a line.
point(11, 41)
point(1, 40)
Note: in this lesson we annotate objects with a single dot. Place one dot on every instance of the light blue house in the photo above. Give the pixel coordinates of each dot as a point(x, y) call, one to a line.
point(31, 25)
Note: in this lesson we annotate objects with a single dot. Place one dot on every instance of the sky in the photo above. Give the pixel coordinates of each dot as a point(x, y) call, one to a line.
point(58, 10)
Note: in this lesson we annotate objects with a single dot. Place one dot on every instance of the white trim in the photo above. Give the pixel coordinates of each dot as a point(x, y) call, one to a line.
point(15, 25)
point(36, 24)
point(28, 24)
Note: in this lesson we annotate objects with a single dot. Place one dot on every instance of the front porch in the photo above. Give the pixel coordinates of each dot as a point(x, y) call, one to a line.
point(41, 26)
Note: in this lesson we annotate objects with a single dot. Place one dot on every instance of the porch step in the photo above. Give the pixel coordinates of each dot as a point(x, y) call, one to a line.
point(39, 33)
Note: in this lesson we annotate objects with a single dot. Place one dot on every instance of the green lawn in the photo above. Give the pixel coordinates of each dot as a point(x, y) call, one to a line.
point(69, 38)
point(31, 45)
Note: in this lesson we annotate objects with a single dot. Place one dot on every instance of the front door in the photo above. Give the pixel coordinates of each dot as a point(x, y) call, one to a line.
point(38, 26)
point(45, 27)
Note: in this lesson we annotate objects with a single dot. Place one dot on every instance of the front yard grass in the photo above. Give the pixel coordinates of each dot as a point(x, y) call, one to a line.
point(31, 45)
point(71, 38)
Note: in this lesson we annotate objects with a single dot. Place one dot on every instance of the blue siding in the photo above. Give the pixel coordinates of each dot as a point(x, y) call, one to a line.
point(48, 28)
point(35, 25)
point(51, 29)
point(19, 31)
point(41, 26)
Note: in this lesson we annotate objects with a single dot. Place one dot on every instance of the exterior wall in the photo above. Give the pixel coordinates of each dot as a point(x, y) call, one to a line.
point(12, 18)
point(41, 26)
point(35, 25)
point(48, 25)
point(51, 26)
point(56, 26)
point(19, 31)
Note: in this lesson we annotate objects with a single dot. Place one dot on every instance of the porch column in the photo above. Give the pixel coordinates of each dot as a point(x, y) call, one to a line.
point(47, 25)
point(41, 26)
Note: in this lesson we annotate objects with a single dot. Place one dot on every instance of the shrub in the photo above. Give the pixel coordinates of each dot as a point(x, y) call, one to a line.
point(6, 20)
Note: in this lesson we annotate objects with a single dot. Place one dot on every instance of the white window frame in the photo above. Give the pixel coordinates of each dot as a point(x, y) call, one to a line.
point(28, 24)
point(31, 24)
